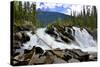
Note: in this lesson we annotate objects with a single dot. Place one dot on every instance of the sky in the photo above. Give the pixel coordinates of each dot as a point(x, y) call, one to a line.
point(59, 7)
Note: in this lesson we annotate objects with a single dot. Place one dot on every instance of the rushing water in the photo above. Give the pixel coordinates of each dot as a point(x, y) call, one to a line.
point(83, 41)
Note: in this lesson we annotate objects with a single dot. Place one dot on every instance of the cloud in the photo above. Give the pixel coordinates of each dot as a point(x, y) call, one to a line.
point(60, 7)
point(56, 7)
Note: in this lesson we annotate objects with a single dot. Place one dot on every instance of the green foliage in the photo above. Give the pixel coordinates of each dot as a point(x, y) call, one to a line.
point(24, 15)
point(84, 19)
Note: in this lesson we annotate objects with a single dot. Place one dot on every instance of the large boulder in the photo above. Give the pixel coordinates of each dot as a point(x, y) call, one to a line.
point(49, 58)
point(25, 37)
point(93, 56)
point(18, 39)
point(77, 54)
point(17, 36)
point(21, 36)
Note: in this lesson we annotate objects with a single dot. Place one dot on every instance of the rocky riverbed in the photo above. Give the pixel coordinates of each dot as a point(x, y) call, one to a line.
point(53, 46)
point(38, 56)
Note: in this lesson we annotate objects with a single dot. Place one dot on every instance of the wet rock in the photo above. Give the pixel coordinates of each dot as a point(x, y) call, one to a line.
point(19, 38)
point(67, 57)
point(27, 51)
point(83, 58)
point(68, 35)
point(25, 38)
point(65, 39)
point(77, 54)
point(39, 50)
point(51, 32)
point(59, 31)
point(93, 56)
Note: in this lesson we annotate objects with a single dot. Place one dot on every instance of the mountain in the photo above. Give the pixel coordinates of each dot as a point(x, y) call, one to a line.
point(48, 17)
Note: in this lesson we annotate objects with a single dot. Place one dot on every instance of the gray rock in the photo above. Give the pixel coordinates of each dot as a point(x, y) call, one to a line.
point(93, 56)
point(17, 36)
point(49, 58)
point(73, 60)
point(58, 60)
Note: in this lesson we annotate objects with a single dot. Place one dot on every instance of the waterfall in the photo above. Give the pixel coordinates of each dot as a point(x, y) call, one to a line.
point(83, 41)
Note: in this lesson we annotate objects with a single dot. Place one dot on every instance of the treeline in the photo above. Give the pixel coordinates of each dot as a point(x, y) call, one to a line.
point(87, 19)
point(24, 16)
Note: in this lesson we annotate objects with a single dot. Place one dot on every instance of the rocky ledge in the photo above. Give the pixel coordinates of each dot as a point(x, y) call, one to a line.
point(37, 56)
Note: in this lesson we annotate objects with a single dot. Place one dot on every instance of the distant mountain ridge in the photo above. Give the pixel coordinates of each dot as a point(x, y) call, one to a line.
point(48, 17)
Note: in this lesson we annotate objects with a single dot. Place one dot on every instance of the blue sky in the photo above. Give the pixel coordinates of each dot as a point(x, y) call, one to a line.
point(54, 7)
point(59, 7)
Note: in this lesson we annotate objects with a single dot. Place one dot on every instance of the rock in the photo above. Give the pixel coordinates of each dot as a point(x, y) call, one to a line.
point(65, 39)
point(25, 37)
point(68, 35)
point(39, 50)
point(93, 56)
point(70, 54)
point(77, 54)
point(59, 53)
point(73, 60)
point(38, 56)
point(16, 44)
point(16, 60)
point(27, 51)
point(19, 57)
point(58, 60)
point(83, 58)
point(30, 51)
point(49, 58)
point(16, 54)
point(51, 32)
point(36, 60)
point(17, 36)
point(67, 57)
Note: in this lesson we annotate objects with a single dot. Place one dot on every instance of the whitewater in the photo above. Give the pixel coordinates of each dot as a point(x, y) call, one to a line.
point(83, 41)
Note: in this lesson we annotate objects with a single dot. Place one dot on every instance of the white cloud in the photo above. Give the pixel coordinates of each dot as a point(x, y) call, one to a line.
point(68, 12)
point(67, 8)
point(45, 5)
point(51, 5)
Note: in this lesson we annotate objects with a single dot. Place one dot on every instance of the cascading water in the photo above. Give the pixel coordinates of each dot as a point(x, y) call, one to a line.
point(83, 41)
